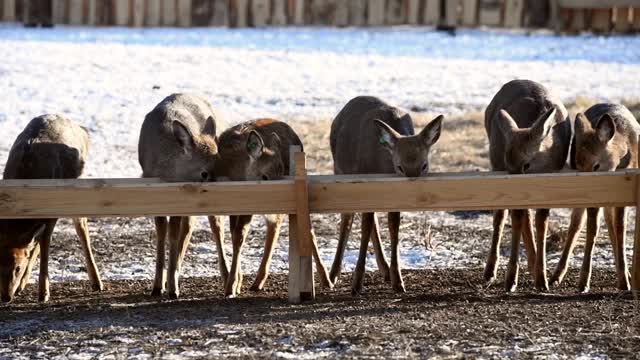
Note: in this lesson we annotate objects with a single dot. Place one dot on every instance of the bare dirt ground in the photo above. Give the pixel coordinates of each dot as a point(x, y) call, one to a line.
point(445, 313)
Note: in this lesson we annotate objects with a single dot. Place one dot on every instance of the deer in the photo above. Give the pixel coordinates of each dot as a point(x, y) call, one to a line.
point(178, 144)
point(257, 150)
point(369, 136)
point(50, 147)
point(606, 139)
point(529, 132)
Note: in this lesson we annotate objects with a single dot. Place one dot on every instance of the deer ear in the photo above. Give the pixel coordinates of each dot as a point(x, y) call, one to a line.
point(507, 125)
point(431, 133)
point(255, 144)
point(606, 128)
point(210, 126)
point(542, 127)
point(183, 135)
point(277, 142)
point(387, 137)
point(582, 124)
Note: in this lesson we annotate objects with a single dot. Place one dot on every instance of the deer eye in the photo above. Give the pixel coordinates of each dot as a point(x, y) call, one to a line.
point(17, 271)
point(425, 166)
point(596, 167)
point(400, 169)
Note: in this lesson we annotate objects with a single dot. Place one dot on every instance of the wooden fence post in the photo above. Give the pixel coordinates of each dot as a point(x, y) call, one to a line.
point(396, 12)
point(357, 11)
point(58, 11)
point(636, 19)
point(413, 12)
point(451, 16)
point(490, 13)
point(469, 12)
point(260, 11)
point(241, 13)
point(341, 17)
point(122, 13)
point(184, 13)
point(601, 20)
point(432, 12)
point(9, 10)
point(279, 17)
point(513, 11)
point(623, 25)
point(220, 13)
point(168, 12)
point(301, 285)
point(375, 10)
point(298, 12)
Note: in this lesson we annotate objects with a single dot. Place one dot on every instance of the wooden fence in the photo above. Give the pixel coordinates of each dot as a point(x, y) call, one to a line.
point(572, 15)
point(301, 195)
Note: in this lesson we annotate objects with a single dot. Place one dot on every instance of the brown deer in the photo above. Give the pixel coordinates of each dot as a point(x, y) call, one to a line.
point(606, 139)
point(369, 136)
point(50, 147)
point(257, 150)
point(178, 143)
point(529, 132)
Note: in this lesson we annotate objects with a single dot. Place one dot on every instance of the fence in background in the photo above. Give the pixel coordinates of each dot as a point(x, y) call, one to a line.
point(570, 15)
point(301, 195)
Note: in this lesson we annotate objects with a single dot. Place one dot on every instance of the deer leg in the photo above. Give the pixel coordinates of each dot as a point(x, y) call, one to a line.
point(82, 229)
point(238, 235)
point(517, 220)
point(180, 228)
point(216, 223)
point(529, 242)
point(161, 234)
point(593, 226)
point(273, 232)
point(322, 271)
point(358, 273)
point(383, 265)
point(542, 224)
point(27, 274)
point(345, 228)
point(44, 240)
point(394, 231)
point(491, 269)
point(620, 221)
point(578, 219)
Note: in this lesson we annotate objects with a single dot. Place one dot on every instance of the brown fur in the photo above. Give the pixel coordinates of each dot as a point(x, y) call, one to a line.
point(178, 143)
point(256, 150)
point(369, 136)
point(529, 132)
point(606, 139)
point(50, 147)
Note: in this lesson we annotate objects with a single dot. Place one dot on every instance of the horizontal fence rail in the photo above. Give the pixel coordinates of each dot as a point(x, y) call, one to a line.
point(327, 194)
point(571, 15)
point(299, 195)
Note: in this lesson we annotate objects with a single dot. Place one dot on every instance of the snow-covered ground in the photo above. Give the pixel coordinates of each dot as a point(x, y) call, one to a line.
point(108, 79)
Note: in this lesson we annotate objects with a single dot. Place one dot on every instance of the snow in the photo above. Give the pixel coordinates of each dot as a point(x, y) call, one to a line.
point(107, 79)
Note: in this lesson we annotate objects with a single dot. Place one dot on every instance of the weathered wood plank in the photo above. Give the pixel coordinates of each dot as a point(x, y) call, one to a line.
point(375, 11)
point(623, 21)
point(92, 12)
point(154, 11)
point(597, 4)
point(241, 13)
point(451, 13)
point(490, 13)
point(220, 13)
point(139, 13)
point(299, 11)
point(341, 17)
point(201, 12)
point(185, 11)
point(357, 12)
point(59, 11)
point(432, 12)
point(601, 20)
point(413, 12)
point(473, 193)
point(9, 10)
point(76, 12)
point(469, 12)
point(636, 19)
point(396, 12)
point(513, 12)
point(260, 12)
point(169, 13)
point(279, 17)
point(122, 13)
